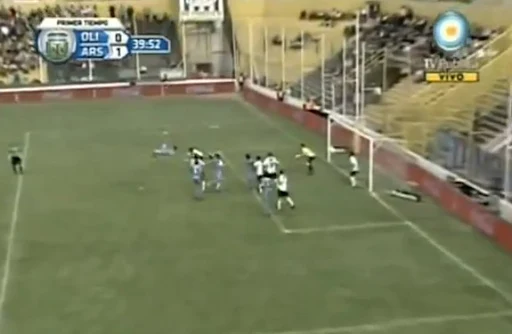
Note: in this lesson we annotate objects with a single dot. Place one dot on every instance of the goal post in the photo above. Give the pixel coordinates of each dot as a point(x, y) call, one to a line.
point(384, 165)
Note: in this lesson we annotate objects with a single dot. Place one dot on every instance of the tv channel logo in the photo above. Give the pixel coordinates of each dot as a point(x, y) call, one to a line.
point(451, 31)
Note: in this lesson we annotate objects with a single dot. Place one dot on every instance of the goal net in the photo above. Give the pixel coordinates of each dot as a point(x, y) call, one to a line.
point(383, 165)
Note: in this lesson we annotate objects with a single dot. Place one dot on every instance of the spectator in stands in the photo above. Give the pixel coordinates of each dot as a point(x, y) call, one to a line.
point(241, 80)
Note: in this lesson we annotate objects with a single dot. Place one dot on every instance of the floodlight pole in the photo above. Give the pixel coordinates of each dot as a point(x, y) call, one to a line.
point(363, 70)
point(506, 179)
point(344, 77)
point(357, 81)
point(329, 134)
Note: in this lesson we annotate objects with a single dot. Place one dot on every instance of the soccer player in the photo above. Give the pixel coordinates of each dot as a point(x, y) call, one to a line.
point(282, 191)
point(219, 170)
point(309, 155)
point(16, 161)
point(354, 169)
point(259, 171)
point(251, 171)
point(194, 153)
point(198, 178)
point(267, 186)
point(270, 165)
point(165, 150)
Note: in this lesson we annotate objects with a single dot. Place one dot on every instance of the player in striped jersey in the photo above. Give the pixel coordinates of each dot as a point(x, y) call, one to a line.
point(219, 170)
point(267, 187)
point(310, 156)
point(198, 177)
point(250, 171)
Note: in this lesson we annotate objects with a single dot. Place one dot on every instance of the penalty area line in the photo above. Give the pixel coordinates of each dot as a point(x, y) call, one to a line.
point(12, 229)
point(413, 226)
point(402, 323)
point(346, 228)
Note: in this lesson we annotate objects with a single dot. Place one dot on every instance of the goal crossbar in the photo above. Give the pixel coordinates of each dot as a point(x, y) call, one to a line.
point(344, 134)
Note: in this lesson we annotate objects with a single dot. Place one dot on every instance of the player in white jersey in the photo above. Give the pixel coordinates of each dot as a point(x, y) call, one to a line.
point(282, 191)
point(270, 165)
point(354, 169)
point(195, 153)
point(259, 171)
point(306, 152)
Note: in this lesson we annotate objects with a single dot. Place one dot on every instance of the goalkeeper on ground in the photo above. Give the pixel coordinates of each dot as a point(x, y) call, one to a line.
point(165, 150)
point(310, 156)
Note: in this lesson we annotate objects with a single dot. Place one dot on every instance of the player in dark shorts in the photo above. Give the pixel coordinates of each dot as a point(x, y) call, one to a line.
point(16, 162)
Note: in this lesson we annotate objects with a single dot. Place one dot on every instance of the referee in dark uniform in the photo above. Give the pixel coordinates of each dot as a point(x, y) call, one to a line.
point(16, 161)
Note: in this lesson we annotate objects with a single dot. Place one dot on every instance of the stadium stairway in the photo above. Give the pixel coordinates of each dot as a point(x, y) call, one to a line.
point(422, 94)
point(419, 120)
point(491, 117)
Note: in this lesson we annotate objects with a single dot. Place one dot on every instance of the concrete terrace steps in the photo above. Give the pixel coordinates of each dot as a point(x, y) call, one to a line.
point(379, 114)
point(433, 94)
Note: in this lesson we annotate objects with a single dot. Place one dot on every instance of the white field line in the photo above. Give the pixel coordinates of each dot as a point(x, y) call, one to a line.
point(401, 323)
point(418, 230)
point(447, 253)
point(277, 221)
point(12, 228)
point(346, 228)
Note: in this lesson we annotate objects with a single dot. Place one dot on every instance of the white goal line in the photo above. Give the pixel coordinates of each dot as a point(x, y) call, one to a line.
point(402, 323)
point(415, 227)
point(345, 228)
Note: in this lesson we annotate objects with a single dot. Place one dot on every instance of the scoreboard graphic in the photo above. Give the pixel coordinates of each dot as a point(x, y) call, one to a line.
point(59, 40)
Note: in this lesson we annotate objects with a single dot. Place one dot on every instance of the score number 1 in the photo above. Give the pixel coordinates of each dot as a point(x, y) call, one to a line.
point(117, 52)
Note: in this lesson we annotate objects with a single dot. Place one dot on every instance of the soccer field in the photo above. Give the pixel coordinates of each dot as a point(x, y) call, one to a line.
point(99, 237)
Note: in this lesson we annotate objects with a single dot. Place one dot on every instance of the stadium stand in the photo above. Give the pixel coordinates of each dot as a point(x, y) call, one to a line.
point(397, 35)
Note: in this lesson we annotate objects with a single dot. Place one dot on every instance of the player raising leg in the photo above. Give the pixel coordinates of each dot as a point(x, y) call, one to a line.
point(282, 191)
point(354, 169)
point(310, 156)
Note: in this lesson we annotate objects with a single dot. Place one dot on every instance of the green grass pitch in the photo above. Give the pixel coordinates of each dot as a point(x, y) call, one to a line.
point(107, 239)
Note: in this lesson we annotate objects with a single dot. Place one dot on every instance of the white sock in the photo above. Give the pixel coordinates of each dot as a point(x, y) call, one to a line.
point(353, 181)
point(290, 201)
point(203, 185)
point(279, 204)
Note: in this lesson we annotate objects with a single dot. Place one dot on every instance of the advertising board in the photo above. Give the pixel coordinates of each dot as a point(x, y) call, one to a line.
point(116, 90)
